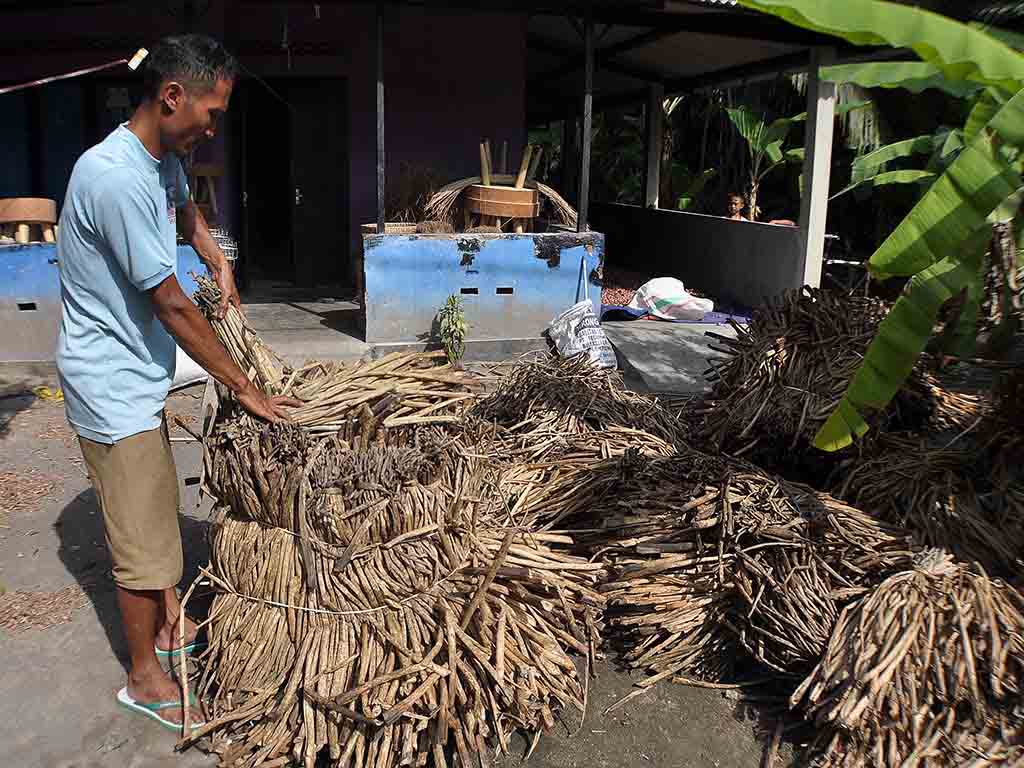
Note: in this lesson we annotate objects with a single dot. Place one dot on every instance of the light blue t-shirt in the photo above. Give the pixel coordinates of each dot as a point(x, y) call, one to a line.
point(116, 241)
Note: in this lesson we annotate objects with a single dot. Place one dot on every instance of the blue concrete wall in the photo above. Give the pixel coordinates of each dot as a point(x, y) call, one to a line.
point(30, 298)
point(512, 286)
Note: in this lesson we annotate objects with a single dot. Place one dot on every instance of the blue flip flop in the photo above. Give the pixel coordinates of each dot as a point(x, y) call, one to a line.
point(152, 710)
point(190, 649)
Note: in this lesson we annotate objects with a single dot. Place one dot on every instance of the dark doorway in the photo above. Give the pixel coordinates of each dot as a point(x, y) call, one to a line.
point(294, 175)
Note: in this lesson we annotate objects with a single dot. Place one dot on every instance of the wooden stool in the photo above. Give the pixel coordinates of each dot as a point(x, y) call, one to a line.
point(19, 216)
point(202, 184)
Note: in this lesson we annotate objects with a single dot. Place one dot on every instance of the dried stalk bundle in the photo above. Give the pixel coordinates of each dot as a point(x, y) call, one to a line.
point(398, 390)
point(547, 399)
point(942, 495)
point(926, 670)
point(444, 203)
point(370, 610)
point(244, 345)
point(788, 370)
point(710, 556)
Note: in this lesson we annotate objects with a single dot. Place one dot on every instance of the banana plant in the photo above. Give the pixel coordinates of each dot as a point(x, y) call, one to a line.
point(765, 143)
point(942, 242)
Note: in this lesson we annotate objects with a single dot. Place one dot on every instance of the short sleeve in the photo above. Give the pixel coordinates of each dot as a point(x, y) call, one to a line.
point(180, 182)
point(127, 218)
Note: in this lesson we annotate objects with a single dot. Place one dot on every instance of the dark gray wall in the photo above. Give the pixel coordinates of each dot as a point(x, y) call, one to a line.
point(738, 261)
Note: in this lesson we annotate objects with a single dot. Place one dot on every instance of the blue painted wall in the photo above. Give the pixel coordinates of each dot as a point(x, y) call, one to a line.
point(512, 286)
point(30, 298)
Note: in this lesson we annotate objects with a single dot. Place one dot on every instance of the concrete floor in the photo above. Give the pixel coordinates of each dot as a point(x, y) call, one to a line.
point(304, 330)
point(664, 357)
point(61, 681)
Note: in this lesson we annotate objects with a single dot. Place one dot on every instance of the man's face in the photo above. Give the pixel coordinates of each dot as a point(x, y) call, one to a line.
point(191, 115)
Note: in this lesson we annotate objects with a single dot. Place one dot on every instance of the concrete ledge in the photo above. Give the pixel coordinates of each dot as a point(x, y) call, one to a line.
point(484, 351)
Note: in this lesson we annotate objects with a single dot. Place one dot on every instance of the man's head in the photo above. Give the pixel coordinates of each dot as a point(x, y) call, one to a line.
point(736, 204)
point(187, 80)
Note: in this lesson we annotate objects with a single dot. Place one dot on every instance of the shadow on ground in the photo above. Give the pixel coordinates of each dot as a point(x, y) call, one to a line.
point(79, 528)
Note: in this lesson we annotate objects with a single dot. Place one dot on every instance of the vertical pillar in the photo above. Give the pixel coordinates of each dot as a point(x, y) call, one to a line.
point(570, 157)
point(588, 104)
point(380, 119)
point(821, 109)
point(654, 140)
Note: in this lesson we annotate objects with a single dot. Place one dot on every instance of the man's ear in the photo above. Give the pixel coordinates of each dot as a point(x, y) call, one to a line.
point(173, 96)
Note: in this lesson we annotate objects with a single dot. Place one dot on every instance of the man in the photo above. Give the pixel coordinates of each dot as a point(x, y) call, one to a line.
point(122, 312)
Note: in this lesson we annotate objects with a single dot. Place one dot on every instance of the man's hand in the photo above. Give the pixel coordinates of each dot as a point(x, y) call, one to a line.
point(265, 407)
point(225, 278)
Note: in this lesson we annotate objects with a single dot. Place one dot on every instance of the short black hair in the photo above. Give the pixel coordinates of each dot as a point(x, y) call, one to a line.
point(197, 61)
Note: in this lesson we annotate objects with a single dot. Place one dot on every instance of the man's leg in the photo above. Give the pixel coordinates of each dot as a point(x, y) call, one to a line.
point(167, 636)
point(137, 486)
point(147, 681)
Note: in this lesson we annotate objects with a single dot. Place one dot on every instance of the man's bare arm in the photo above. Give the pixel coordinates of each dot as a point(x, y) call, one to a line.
point(186, 324)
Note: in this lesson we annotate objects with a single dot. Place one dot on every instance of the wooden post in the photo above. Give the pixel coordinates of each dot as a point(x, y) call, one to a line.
point(588, 104)
point(380, 119)
point(654, 139)
point(821, 103)
point(570, 157)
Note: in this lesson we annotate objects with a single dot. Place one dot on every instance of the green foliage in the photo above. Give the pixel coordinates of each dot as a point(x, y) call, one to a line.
point(942, 242)
point(914, 76)
point(691, 183)
point(957, 51)
point(452, 320)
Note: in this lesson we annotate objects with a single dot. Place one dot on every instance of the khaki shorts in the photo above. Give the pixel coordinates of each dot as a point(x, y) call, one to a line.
point(137, 485)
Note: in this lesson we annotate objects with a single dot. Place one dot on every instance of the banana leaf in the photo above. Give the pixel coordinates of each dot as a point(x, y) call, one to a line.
point(891, 356)
point(914, 76)
point(909, 176)
point(959, 202)
point(957, 50)
point(982, 111)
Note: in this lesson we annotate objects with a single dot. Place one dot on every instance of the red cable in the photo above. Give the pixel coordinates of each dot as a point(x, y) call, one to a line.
point(76, 73)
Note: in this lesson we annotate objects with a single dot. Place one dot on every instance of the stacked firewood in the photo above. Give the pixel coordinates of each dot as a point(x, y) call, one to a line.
point(373, 604)
point(926, 670)
point(786, 372)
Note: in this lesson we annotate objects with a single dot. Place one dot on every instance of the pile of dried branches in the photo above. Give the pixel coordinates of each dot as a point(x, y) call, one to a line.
point(372, 604)
point(924, 671)
point(944, 495)
point(368, 607)
point(709, 555)
point(787, 371)
point(542, 402)
point(399, 390)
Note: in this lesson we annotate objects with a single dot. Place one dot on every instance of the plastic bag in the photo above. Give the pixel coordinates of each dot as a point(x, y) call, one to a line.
point(578, 330)
point(668, 299)
point(186, 371)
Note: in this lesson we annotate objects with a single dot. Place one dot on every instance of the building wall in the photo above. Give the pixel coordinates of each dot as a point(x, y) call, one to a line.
point(451, 77)
point(737, 261)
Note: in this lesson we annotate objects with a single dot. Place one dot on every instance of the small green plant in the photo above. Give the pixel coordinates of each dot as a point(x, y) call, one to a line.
point(452, 319)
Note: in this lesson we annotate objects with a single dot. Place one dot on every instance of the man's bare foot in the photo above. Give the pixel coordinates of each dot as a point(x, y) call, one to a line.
point(167, 638)
point(156, 686)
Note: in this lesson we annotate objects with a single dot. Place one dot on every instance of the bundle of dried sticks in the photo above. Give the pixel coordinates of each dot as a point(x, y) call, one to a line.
point(926, 670)
point(373, 609)
point(787, 371)
point(710, 555)
point(544, 401)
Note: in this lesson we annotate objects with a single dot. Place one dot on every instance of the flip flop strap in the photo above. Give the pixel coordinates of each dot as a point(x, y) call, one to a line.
point(156, 706)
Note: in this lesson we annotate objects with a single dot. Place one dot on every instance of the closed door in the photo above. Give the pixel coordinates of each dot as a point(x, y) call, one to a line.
point(319, 167)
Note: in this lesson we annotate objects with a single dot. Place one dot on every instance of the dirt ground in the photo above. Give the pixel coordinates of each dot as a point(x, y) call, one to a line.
point(64, 653)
